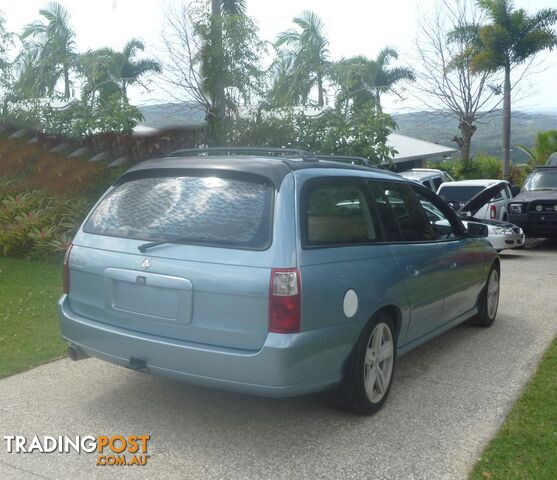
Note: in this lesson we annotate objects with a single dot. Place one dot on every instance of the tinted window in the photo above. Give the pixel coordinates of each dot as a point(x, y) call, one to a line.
point(205, 210)
point(459, 194)
point(437, 181)
point(411, 218)
point(337, 212)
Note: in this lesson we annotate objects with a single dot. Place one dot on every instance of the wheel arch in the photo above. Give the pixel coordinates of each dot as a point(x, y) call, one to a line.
point(394, 312)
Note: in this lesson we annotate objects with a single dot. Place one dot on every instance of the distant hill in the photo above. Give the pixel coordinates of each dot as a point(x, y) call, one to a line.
point(487, 139)
point(172, 115)
point(427, 126)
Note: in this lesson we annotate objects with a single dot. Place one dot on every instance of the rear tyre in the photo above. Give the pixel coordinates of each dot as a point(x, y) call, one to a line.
point(489, 300)
point(370, 372)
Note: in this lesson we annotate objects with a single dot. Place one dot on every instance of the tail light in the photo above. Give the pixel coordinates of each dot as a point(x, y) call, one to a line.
point(492, 212)
point(66, 278)
point(284, 301)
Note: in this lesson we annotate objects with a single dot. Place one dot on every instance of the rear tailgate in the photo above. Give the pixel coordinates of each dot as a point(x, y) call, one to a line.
point(210, 303)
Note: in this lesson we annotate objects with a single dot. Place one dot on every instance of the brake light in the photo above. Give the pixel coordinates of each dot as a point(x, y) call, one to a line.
point(492, 212)
point(66, 276)
point(284, 300)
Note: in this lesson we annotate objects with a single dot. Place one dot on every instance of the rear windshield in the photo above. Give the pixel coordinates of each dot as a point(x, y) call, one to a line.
point(207, 210)
point(458, 194)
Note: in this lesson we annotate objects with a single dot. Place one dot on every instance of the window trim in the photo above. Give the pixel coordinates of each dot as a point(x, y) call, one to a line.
point(361, 182)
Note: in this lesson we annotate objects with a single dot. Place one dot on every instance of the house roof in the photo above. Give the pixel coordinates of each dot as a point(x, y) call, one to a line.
point(409, 148)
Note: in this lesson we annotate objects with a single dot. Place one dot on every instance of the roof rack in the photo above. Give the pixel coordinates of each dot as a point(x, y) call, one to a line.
point(247, 151)
point(346, 159)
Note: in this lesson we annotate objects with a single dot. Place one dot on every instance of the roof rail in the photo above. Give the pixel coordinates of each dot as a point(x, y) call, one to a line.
point(347, 159)
point(247, 151)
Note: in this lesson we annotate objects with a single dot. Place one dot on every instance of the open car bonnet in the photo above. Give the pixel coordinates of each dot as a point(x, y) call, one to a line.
point(480, 199)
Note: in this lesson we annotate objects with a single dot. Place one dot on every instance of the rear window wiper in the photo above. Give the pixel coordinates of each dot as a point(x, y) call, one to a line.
point(145, 246)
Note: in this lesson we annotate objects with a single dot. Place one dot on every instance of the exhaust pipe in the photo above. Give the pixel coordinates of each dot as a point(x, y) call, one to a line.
point(76, 354)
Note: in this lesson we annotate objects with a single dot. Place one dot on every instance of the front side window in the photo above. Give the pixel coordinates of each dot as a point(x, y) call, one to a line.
point(411, 218)
point(208, 210)
point(337, 212)
point(439, 222)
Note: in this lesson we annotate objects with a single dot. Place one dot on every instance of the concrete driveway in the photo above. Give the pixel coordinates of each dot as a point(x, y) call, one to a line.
point(448, 398)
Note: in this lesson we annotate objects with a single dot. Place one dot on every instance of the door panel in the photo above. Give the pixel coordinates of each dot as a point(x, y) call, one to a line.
point(424, 269)
point(465, 276)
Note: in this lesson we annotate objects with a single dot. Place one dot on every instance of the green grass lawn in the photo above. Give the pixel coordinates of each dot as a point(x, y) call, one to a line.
point(526, 445)
point(29, 333)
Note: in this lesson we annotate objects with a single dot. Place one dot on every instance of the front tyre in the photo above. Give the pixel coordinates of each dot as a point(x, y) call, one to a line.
point(372, 367)
point(489, 300)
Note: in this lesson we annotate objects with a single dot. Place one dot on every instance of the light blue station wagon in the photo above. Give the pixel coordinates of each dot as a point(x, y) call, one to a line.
point(270, 275)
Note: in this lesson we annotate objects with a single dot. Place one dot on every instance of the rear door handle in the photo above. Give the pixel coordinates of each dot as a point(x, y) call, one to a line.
point(452, 265)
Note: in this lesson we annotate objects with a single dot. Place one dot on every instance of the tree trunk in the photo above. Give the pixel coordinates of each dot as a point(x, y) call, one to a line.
point(66, 82)
point(320, 100)
point(378, 102)
point(125, 92)
point(217, 69)
point(507, 123)
point(467, 130)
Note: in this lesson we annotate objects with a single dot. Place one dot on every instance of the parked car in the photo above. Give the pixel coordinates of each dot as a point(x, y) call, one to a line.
point(460, 192)
point(196, 268)
point(535, 208)
point(501, 235)
point(429, 177)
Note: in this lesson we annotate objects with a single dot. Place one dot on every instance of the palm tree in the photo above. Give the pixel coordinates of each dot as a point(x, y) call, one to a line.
point(362, 80)
point(384, 79)
point(52, 50)
point(129, 71)
point(512, 37)
point(546, 144)
point(214, 63)
point(353, 80)
point(308, 47)
point(110, 72)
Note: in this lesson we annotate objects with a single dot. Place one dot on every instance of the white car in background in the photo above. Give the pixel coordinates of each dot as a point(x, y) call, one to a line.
point(457, 194)
point(431, 178)
point(501, 235)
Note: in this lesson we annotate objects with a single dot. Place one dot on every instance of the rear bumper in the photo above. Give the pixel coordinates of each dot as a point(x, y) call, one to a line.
point(536, 225)
point(286, 365)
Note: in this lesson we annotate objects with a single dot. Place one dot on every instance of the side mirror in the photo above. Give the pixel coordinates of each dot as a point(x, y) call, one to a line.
point(477, 230)
point(515, 190)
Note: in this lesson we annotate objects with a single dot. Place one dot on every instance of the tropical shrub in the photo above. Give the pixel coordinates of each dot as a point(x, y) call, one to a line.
point(480, 166)
point(35, 223)
point(546, 144)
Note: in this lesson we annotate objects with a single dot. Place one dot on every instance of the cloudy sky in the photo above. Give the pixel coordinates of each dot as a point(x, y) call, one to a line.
point(353, 27)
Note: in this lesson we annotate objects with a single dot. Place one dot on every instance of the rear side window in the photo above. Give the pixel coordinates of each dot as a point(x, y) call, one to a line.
point(337, 212)
point(437, 181)
point(410, 216)
point(207, 210)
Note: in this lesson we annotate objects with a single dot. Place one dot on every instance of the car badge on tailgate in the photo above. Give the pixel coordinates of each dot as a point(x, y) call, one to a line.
point(146, 263)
